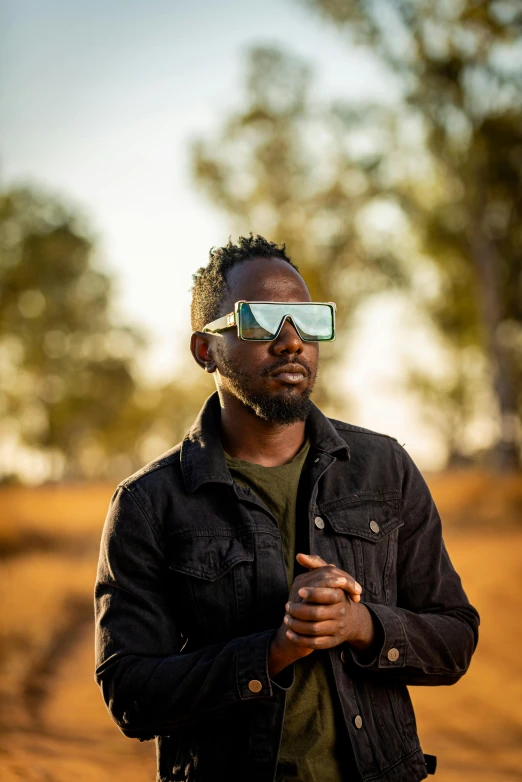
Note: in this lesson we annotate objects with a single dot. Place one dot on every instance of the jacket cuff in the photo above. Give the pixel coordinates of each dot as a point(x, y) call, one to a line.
point(390, 651)
point(284, 680)
point(253, 679)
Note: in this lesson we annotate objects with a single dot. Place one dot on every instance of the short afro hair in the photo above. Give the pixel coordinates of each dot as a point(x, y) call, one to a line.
point(210, 281)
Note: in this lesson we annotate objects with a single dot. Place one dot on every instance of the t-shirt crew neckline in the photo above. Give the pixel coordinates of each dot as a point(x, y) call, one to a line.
point(235, 460)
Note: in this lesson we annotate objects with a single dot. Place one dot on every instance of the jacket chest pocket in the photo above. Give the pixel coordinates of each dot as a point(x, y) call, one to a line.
point(211, 582)
point(368, 534)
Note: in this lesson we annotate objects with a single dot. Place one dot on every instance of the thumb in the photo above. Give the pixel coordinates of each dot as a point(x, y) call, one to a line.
point(311, 561)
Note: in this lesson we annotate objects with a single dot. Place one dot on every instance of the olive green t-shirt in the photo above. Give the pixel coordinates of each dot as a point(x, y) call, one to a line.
point(310, 745)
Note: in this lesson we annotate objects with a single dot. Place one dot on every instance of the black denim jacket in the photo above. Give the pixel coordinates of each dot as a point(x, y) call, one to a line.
point(192, 585)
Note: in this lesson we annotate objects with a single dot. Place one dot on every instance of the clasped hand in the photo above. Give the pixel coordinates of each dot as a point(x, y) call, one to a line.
point(324, 609)
point(321, 611)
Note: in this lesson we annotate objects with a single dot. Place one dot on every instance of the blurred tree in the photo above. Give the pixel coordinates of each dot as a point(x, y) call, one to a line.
point(66, 369)
point(284, 168)
point(459, 66)
point(69, 385)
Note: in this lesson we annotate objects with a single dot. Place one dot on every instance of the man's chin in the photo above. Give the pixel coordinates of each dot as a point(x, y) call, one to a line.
point(286, 407)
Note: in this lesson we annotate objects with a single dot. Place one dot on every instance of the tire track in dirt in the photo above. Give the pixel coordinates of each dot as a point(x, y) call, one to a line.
point(73, 736)
point(39, 681)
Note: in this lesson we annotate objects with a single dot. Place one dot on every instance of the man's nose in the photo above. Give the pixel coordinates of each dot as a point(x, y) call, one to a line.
point(288, 340)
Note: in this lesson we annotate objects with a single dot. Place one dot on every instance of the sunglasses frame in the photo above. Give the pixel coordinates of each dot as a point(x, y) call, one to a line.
point(234, 319)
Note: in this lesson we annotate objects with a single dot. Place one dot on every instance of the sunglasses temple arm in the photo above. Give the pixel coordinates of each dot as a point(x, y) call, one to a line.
point(220, 324)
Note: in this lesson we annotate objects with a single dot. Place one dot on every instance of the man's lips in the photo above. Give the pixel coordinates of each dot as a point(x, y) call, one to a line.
point(290, 373)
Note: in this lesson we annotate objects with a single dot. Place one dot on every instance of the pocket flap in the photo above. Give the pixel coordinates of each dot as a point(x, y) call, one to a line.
point(209, 556)
point(372, 521)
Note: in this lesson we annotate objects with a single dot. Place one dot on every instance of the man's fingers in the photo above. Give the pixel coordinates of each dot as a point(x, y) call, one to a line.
point(340, 582)
point(310, 561)
point(349, 583)
point(326, 595)
point(346, 581)
point(312, 612)
point(312, 642)
point(353, 588)
point(311, 628)
point(334, 585)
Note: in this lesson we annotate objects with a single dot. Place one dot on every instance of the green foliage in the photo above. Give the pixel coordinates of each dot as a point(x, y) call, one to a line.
point(66, 369)
point(70, 392)
point(459, 64)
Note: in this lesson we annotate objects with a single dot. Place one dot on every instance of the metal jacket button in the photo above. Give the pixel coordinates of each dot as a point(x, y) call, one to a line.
point(374, 526)
point(255, 686)
point(358, 721)
point(319, 522)
point(393, 654)
point(343, 657)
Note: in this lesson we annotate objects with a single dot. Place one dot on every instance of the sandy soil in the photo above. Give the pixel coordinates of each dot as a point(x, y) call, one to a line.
point(55, 726)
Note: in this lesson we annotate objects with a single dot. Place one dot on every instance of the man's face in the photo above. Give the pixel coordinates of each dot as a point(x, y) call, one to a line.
point(273, 380)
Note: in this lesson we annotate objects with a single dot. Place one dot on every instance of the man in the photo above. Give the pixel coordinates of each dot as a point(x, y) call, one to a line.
point(269, 587)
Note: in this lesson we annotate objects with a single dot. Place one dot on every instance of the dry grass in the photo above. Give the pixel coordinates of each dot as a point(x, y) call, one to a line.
point(67, 516)
point(477, 499)
point(55, 725)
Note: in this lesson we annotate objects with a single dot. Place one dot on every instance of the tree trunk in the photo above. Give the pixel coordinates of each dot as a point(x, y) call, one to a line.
point(506, 453)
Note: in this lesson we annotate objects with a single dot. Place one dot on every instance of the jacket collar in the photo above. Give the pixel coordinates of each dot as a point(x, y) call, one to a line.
point(202, 455)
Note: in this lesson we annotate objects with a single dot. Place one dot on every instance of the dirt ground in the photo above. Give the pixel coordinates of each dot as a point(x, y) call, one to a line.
point(54, 725)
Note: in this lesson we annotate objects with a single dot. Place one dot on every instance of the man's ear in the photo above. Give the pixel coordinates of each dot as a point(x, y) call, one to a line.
point(200, 349)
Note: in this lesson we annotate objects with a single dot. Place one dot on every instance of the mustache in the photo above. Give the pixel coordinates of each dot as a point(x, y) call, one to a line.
point(283, 363)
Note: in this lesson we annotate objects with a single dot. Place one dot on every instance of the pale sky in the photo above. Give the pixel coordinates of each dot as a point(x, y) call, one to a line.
point(99, 100)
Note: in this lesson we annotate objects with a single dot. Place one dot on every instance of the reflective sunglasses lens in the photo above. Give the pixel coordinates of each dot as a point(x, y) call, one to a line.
point(261, 321)
point(257, 322)
point(314, 321)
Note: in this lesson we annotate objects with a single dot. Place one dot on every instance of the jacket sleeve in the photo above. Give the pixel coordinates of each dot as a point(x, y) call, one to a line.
point(433, 628)
point(148, 684)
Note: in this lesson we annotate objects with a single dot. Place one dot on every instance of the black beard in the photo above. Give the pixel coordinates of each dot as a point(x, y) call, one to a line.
point(287, 407)
point(276, 408)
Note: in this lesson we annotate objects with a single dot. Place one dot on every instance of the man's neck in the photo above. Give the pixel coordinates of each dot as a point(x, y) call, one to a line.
point(248, 437)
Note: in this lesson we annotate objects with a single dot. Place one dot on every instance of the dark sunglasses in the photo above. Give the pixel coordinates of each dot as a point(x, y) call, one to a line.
point(263, 320)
